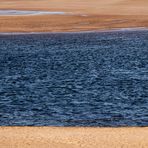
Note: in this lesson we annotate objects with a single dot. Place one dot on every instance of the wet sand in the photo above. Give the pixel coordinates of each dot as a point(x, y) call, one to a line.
point(87, 15)
point(54, 137)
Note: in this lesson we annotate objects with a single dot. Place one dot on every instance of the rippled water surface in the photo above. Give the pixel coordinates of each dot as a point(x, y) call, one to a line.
point(80, 79)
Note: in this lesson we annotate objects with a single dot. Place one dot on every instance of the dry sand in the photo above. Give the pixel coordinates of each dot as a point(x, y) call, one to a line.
point(59, 137)
point(87, 15)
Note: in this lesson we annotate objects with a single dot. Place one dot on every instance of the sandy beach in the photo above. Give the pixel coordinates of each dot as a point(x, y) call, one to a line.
point(85, 15)
point(54, 137)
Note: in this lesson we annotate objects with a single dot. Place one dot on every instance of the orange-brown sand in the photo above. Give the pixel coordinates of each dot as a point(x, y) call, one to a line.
point(87, 15)
point(60, 137)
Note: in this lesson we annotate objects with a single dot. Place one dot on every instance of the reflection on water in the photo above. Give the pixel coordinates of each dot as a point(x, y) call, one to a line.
point(29, 12)
point(90, 79)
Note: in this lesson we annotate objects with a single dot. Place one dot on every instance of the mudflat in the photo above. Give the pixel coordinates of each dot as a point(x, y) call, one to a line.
point(85, 15)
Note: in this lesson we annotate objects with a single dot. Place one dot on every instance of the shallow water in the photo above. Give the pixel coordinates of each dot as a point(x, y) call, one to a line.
point(27, 12)
point(83, 79)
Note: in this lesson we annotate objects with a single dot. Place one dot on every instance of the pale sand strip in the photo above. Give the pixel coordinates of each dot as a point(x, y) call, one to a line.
point(65, 137)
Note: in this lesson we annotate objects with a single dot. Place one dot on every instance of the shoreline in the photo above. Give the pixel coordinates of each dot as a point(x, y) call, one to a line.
point(133, 29)
point(73, 137)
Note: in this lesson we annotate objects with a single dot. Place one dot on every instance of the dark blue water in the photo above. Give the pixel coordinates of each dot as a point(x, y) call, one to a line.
point(80, 79)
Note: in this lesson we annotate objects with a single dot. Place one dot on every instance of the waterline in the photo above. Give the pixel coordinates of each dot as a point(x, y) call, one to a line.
point(77, 32)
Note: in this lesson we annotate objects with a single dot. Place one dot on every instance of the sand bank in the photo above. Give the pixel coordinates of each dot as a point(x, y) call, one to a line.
point(94, 7)
point(59, 137)
point(69, 23)
point(87, 15)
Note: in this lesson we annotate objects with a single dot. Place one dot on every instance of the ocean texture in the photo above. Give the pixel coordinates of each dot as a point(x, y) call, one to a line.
point(74, 79)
